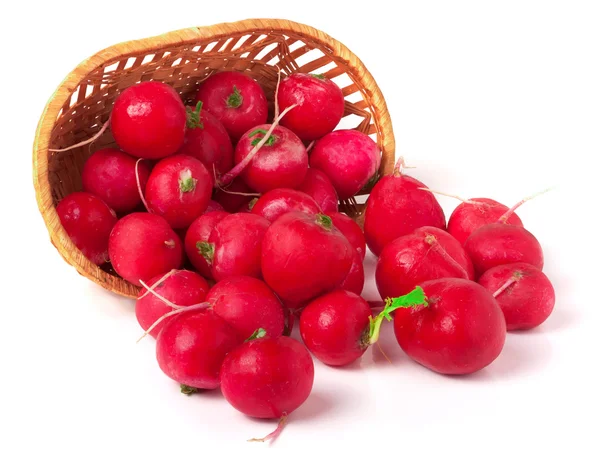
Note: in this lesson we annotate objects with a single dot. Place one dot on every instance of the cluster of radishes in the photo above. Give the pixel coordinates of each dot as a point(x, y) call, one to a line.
point(229, 193)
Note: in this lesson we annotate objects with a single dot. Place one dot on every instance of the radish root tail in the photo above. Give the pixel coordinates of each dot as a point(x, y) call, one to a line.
point(139, 186)
point(274, 434)
point(85, 142)
point(510, 212)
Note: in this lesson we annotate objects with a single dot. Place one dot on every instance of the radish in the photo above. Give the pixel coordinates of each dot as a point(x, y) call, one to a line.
point(110, 174)
point(351, 230)
point(148, 120)
point(213, 206)
point(178, 189)
point(396, 207)
point(191, 347)
point(247, 304)
point(524, 293)
point(233, 196)
point(355, 279)
point(267, 378)
point(320, 105)
point(458, 329)
point(349, 158)
point(196, 240)
point(88, 222)
point(207, 140)
point(180, 287)
point(143, 245)
point(277, 202)
point(304, 256)
point(234, 246)
point(236, 100)
point(281, 162)
point(319, 187)
point(427, 254)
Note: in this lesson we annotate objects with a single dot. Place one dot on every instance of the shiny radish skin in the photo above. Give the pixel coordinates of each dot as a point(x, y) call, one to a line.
point(524, 293)
point(148, 120)
point(319, 187)
point(247, 304)
point(181, 287)
point(88, 222)
point(268, 377)
point(335, 327)
point(236, 100)
point(199, 232)
point(319, 105)
point(209, 142)
point(110, 175)
point(179, 189)
point(351, 230)
point(398, 206)
point(281, 162)
point(427, 254)
point(277, 202)
point(143, 245)
point(349, 158)
point(461, 330)
point(355, 279)
point(229, 196)
point(468, 217)
point(500, 243)
point(192, 346)
point(304, 256)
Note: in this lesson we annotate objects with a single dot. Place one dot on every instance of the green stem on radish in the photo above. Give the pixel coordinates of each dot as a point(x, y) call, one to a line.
point(324, 221)
point(193, 117)
point(235, 99)
point(319, 76)
point(207, 250)
point(270, 141)
point(187, 390)
point(258, 333)
point(252, 203)
point(186, 182)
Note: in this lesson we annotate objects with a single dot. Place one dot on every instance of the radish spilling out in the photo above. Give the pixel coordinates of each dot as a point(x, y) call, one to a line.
point(233, 225)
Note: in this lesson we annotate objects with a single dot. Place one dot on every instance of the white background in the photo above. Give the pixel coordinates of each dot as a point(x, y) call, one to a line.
point(496, 99)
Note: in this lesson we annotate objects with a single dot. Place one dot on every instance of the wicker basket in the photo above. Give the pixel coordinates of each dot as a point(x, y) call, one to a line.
point(83, 101)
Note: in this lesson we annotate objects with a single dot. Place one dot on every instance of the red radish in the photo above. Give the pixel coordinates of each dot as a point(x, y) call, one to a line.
point(355, 279)
point(180, 287)
point(277, 202)
point(319, 187)
point(247, 304)
point(213, 206)
point(196, 240)
point(142, 246)
point(207, 140)
point(427, 254)
point(320, 105)
point(233, 196)
point(397, 206)
point(351, 230)
point(475, 213)
point(110, 175)
point(304, 256)
point(178, 189)
point(459, 329)
point(281, 162)
point(88, 222)
point(524, 293)
point(500, 243)
point(149, 120)
point(236, 100)
point(349, 158)
point(192, 346)
point(234, 246)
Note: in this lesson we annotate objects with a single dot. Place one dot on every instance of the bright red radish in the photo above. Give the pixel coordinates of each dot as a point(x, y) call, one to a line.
point(397, 206)
point(180, 287)
point(233, 196)
point(191, 347)
point(320, 105)
point(355, 279)
point(207, 140)
point(247, 304)
point(196, 240)
point(349, 158)
point(524, 293)
point(234, 246)
point(236, 100)
point(427, 254)
point(142, 246)
point(110, 175)
point(88, 222)
point(277, 202)
point(460, 328)
point(213, 206)
point(178, 189)
point(319, 187)
point(351, 230)
point(304, 256)
point(149, 120)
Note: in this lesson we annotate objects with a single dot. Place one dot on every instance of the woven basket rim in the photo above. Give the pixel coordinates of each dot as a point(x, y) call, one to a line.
point(67, 86)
